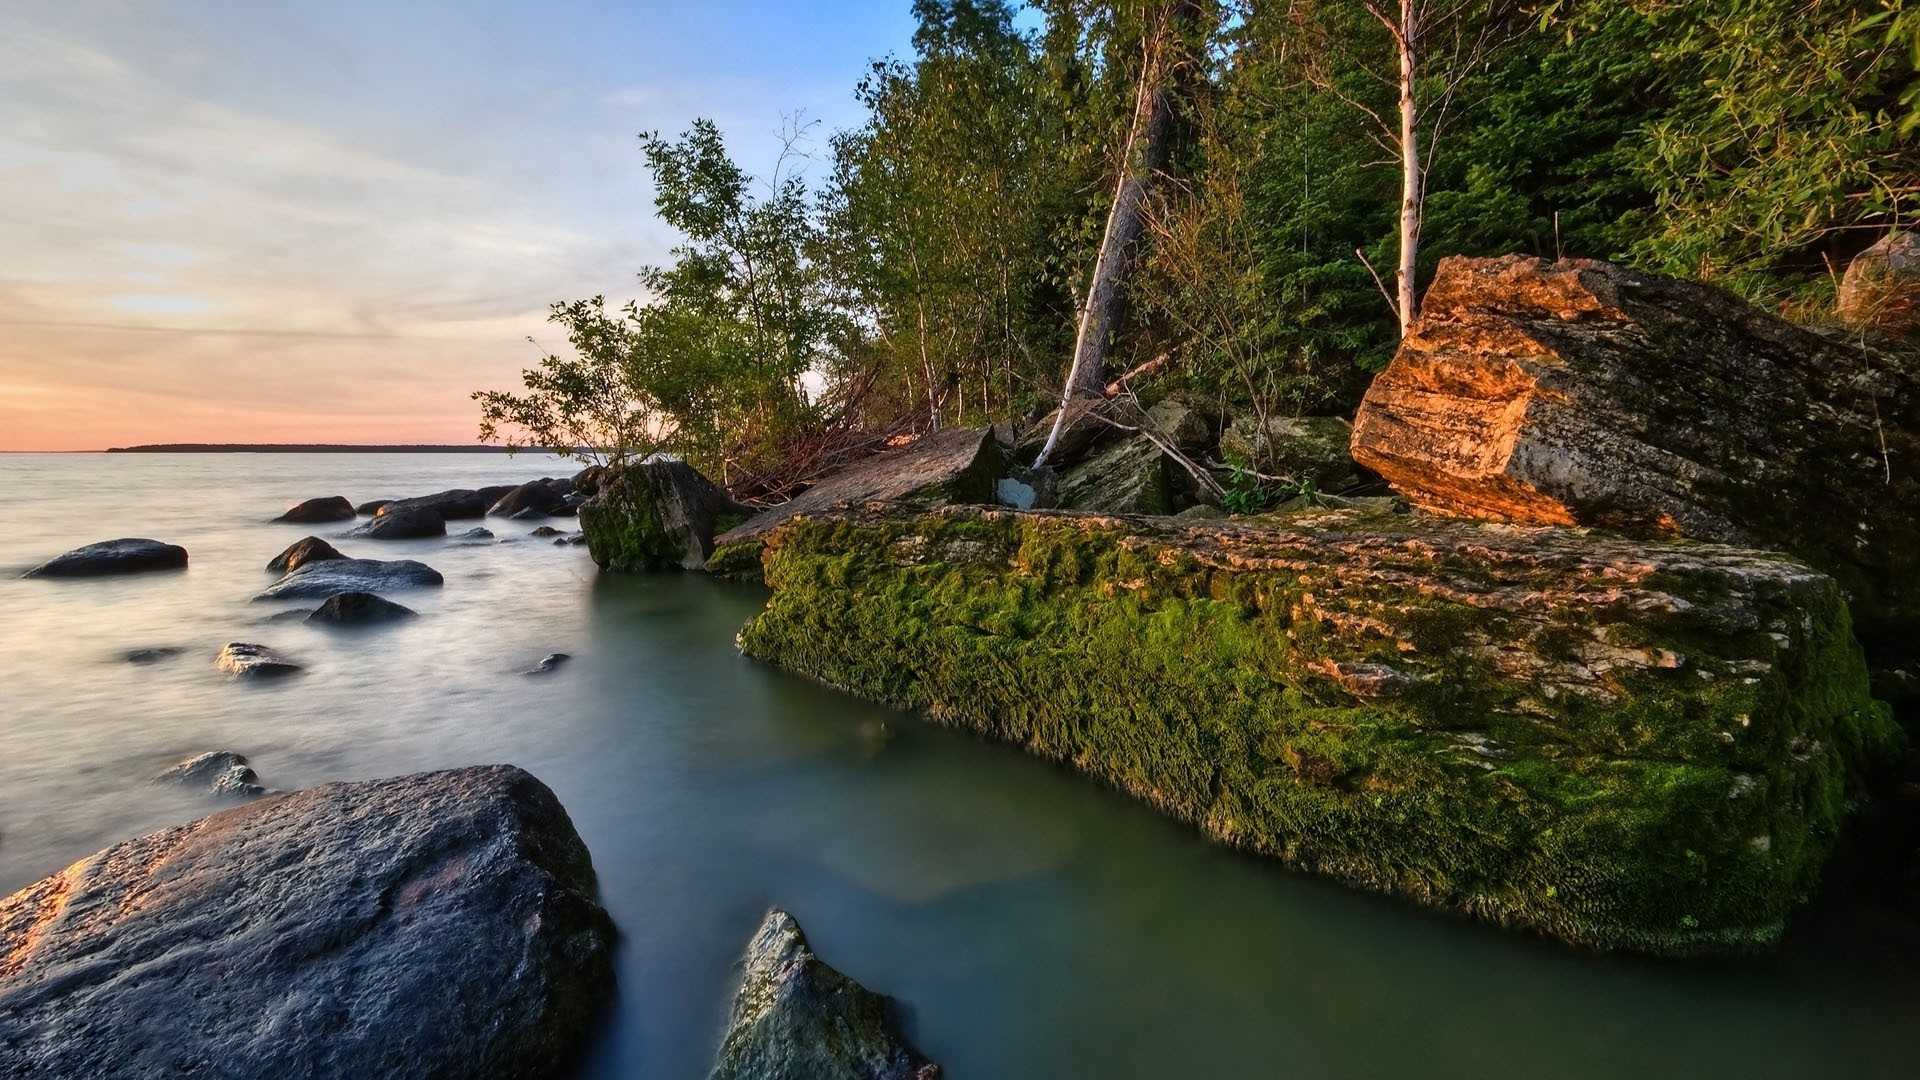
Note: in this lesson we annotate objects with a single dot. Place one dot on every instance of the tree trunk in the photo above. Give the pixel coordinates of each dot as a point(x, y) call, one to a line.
point(1147, 148)
point(1411, 197)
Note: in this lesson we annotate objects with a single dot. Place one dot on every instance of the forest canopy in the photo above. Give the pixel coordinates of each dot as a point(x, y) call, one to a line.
point(938, 270)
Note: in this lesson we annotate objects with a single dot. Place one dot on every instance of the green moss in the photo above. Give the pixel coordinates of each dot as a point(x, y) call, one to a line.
point(624, 530)
point(1684, 809)
point(739, 561)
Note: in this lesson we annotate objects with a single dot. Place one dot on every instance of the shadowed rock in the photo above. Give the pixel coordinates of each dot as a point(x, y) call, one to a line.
point(130, 556)
point(221, 772)
point(434, 925)
point(319, 511)
point(415, 523)
point(246, 660)
point(372, 507)
point(538, 498)
point(152, 655)
point(317, 581)
point(654, 514)
point(796, 1017)
point(359, 609)
point(453, 505)
point(300, 553)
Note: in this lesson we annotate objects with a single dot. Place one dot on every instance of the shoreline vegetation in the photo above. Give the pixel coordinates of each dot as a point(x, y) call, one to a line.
point(307, 448)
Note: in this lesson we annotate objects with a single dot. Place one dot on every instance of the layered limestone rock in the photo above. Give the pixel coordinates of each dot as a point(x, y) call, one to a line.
point(1578, 392)
point(656, 513)
point(1628, 744)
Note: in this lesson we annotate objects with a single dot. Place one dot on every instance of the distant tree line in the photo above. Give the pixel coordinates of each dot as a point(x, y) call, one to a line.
point(1300, 167)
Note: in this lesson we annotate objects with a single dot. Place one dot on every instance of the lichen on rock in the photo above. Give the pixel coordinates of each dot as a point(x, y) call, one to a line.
point(1542, 727)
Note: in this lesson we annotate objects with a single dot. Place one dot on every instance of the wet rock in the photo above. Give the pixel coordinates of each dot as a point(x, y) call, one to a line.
point(108, 557)
point(317, 581)
point(359, 608)
point(529, 514)
point(369, 509)
point(794, 1017)
point(434, 925)
point(476, 534)
point(544, 531)
point(413, 523)
point(655, 514)
point(537, 498)
point(319, 511)
point(310, 550)
point(577, 539)
point(1881, 288)
point(249, 661)
point(494, 493)
point(1581, 393)
point(221, 772)
point(457, 504)
point(548, 663)
point(1309, 450)
point(153, 655)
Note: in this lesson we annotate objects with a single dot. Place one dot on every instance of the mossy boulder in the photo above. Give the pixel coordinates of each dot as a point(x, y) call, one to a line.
point(1132, 476)
point(1627, 744)
point(656, 514)
point(1311, 450)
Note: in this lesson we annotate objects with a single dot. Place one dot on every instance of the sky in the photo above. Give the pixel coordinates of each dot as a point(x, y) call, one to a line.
point(271, 221)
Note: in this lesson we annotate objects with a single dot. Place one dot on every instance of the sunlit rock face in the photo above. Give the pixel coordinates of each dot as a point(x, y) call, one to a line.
point(1580, 393)
point(442, 924)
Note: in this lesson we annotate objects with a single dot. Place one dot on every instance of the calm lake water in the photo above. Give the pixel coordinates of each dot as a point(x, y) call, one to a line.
point(1036, 924)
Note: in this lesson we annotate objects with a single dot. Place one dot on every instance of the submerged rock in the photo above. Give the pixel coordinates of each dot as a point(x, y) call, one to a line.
point(300, 553)
point(243, 659)
point(548, 663)
point(434, 925)
point(411, 523)
point(1581, 393)
point(796, 1017)
point(1536, 726)
point(221, 772)
point(319, 511)
point(657, 513)
point(152, 655)
point(130, 556)
point(359, 608)
point(317, 581)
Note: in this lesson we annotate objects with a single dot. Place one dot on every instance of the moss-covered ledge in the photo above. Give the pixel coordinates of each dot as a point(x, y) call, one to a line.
point(1630, 745)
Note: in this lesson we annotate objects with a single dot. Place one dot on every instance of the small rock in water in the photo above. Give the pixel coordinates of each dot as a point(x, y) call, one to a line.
point(309, 550)
point(246, 660)
point(548, 663)
point(129, 556)
point(153, 655)
point(221, 772)
point(573, 539)
point(289, 615)
point(316, 511)
point(796, 1017)
point(544, 531)
point(358, 608)
point(476, 533)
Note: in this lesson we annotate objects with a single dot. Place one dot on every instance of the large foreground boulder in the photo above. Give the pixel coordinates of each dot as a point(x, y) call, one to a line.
point(131, 556)
point(434, 925)
point(795, 1017)
point(660, 512)
point(410, 523)
point(298, 554)
point(1581, 393)
point(1629, 744)
point(317, 581)
point(319, 511)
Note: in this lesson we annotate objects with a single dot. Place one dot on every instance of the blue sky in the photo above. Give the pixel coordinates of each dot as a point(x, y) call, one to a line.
point(331, 221)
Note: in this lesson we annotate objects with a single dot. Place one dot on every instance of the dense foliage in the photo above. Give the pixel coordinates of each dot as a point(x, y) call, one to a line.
point(936, 275)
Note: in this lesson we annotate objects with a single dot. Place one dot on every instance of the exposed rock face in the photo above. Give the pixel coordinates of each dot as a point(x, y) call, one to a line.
point(538, 497)
point(320, 511)
point(310, 550)
point(245, 660)
point(1881, 289)
point(317, 581)
point(359, 609)
point(796, 1017)
point(1309, 449)
point(1132, 476)
point(1629, 744)
point(409, 523)
point(130, 556)
point(434, 925)
point(657, 513)
point(221, 772)
point(458, 504)
point(1578, 392)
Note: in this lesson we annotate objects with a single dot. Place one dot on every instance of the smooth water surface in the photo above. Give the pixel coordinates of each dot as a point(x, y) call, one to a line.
point(1036, 924)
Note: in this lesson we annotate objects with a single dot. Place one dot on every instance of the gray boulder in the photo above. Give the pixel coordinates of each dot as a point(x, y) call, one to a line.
point(413, 523)
point(370, 508)
point(221, 772)
point(310, 550)
point(538, 498)
point(795, 1017)
point(359, 609)
point(319, 511)
point(442, 924)
point(1312, 450)
point(317, 581)
point(476, 534)
point(245, 660)
point(457, 504)
point(130, 556)
point(1132, 476)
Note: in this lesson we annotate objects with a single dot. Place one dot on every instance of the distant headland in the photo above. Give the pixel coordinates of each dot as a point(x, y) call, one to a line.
point(303, 448)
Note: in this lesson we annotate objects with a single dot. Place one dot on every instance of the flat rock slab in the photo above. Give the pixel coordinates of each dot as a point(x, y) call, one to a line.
point(317, 581)
point(796, 1017)
point(1628, 744)
point(1580, 393)
point(129, 556)
point(442, 924)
